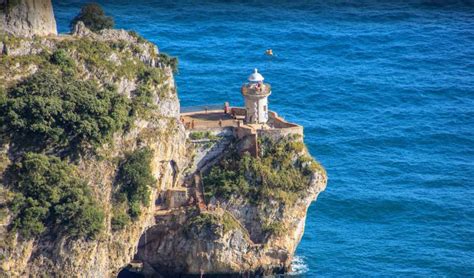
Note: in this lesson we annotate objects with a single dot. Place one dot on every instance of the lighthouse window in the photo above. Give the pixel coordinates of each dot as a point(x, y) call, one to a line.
point(265, 108)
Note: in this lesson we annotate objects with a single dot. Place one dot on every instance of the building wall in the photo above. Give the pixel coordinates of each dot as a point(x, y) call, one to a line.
point(176, 197)
point(257, 109)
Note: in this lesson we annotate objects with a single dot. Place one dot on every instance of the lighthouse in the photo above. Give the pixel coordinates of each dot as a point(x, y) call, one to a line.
point(256, 94)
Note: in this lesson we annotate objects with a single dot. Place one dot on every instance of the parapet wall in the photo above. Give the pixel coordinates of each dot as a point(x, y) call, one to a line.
point(280, 127)
point(216, 121)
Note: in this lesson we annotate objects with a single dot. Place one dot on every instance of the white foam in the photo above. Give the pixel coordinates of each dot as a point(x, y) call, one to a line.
point(298, 266)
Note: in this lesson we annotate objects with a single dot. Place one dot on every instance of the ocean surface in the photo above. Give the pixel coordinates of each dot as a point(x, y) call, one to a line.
point(385, 92)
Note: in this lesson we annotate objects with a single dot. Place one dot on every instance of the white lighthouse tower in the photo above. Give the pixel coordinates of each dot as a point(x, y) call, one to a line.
point(256, 94)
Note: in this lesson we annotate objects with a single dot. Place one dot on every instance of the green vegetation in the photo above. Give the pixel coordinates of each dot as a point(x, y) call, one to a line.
point(53, 110)
point(49, 194)
point(229, 223)
point(50, 110)
point(280, 173)
point(94, 18)
point(95, 55)
point(61, 58)
point(274, 228)
point(139, 38)
point(170, 61)
point(197, 135)
point(212, 222)
point(204, 221)
point(134, 180)
point(120, 220)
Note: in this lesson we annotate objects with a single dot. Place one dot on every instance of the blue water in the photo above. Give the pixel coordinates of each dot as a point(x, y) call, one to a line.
point(385, 92)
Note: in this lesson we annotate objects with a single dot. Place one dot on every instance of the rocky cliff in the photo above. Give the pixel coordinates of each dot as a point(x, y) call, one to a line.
point(92, 106)
point(26, 18)
point(111, 58)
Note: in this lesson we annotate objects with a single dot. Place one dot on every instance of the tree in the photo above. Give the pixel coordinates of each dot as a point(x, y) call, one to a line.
point(51, 111)
point(50, 195)
point(94, 18)
point(135, 178)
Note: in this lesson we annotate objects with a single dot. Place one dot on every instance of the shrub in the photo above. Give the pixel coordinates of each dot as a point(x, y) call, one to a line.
point(197, 135)
point(93, 17)
point(277, 174)
point(203, 222)
point(61, 58)
point(120, 220)
point(143, 100)
point(49, 194)
point(48, 110)
point(274, 228)
point(170, 61)
point(229, 223)
point(211, 224)
point(135, 178)
point(139, 38)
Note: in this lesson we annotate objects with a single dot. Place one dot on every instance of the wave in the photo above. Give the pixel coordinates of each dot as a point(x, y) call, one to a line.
point(298, 266)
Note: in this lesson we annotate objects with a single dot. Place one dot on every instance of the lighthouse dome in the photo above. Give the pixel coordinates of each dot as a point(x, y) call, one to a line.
point(255, 77)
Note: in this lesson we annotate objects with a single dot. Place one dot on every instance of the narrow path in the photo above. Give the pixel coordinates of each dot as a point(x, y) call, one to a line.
point(199, 191)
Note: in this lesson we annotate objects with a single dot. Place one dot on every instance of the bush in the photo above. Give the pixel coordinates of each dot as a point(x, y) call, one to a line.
point(203, 222)
point(49, 194)
point(274, 228)
point(197, 135)
point(135, 178)
point(211, 224)
point(93, 17)
point(170, 61)
point(61, 58)
point(278, 173)
point(120, 220)
point(139, 38)
point(48, 110)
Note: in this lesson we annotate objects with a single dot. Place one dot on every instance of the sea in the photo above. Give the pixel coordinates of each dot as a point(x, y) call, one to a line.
point(385, 92)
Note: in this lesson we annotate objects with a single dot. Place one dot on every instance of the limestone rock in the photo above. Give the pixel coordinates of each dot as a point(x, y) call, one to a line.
point(26, 18)
point(160, 238)
point(80, 30)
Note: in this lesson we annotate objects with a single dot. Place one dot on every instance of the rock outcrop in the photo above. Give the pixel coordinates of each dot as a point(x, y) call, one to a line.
point(26, 18)
point(119, 63)
point(174, 233)
point(173, 246)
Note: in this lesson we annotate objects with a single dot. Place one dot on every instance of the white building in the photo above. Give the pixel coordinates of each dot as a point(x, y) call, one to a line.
point(256, 94)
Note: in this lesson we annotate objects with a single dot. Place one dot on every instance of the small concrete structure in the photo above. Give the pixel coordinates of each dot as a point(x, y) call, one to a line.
point(256, 94)
point(176, 197)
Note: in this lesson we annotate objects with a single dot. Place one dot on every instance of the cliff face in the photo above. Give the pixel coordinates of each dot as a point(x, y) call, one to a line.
point(26, 18)
point(118, 59)
point(176, 244)
point(252, 222)
point(249, 226)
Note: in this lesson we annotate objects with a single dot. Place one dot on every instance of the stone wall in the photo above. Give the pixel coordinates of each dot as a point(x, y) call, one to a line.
point(176, 197)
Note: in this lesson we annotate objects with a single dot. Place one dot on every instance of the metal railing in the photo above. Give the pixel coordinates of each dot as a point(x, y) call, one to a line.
point(190, 109)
